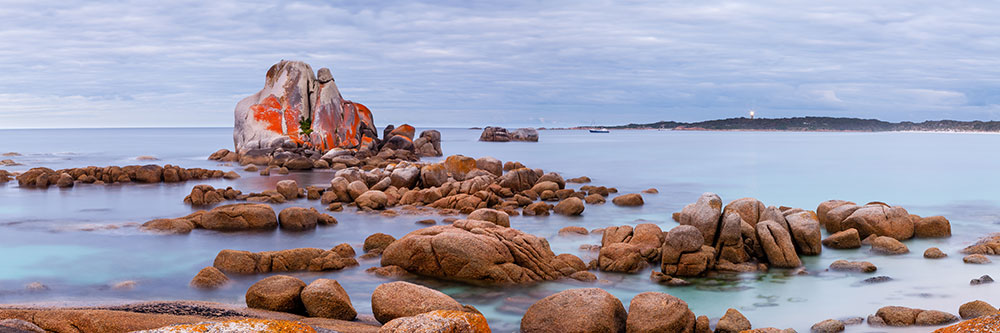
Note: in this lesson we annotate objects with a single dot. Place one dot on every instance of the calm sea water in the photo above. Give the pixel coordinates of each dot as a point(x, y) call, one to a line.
point(71, 239)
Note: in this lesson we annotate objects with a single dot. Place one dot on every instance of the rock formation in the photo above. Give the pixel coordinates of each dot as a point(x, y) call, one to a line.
point(479, 252)
point(500, 134)
point(297, 107)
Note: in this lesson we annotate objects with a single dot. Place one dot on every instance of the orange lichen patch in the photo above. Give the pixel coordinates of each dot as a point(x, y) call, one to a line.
point(475, 320)
point(365, 115)
point(982, 324)
point(242, 325)
point(459, 165)
point(269, 113)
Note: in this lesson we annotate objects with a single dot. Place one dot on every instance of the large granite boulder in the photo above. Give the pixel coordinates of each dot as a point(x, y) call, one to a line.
point(277, 293)
point(576, 311)
point(749, 209)
point(292, 94)
point(326, 298)
point(704, 214)
point(659, 312)
point(237, 217)
point(428, 144)
point(479, 252)
point(881, 220)
point(494, 134)
point(806, 234)
point(777, 244)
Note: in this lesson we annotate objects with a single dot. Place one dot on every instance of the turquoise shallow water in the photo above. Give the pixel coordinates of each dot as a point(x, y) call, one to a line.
point(67, 240)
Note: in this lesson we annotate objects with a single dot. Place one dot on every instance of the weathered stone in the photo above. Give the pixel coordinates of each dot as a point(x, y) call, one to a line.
point(327, 299)
point(853, 266)
point(238, 217)
point(288, 188)
point(976, 309)
point(628, 200)
point(378, 242)
point(828, 326)
point(777, 244)
point(881, 220)
point(491, 215)
point(732, 322)
point(372, 200)
point(806, 233)
point(209, 278)
point(659, 312)
point(439, 321)
point(298, 219)
point(403, 299)
point(844, 239)
point(935, 318)
point(704, 214)
point(479, 252)
point(934, 253)
point(976, 259)
point(932, 227)
point(621, 257)
point(888, 245)
point(570, 206)
point(576, 310)
point(276, 293)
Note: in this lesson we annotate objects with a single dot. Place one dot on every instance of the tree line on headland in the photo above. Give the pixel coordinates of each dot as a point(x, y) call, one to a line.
point(821, 124)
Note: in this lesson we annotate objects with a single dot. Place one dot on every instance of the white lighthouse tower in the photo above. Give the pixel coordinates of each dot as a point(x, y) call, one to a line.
point(751, 114)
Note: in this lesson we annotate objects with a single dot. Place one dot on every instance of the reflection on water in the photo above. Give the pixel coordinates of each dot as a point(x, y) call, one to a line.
point(79, 241)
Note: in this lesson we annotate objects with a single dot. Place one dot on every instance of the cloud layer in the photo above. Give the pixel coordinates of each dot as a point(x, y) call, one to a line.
point(462, 63)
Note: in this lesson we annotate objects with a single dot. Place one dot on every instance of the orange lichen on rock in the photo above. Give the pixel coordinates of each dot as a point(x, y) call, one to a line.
point(269, 113)
point(242, 325)
point(475, 320)
point(982, 324)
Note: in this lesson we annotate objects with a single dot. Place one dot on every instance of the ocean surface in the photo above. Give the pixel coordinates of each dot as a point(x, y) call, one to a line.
point(81, 240)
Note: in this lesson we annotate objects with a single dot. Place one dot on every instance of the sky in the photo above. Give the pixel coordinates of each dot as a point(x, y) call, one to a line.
point(514, 63)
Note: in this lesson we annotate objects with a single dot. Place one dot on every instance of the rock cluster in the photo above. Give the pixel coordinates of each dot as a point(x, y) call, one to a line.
point(628, 250)
point(500, 134)
point(44, 177)
point(880, 219)
point(989, 245)
point(291, 260)
point(322, 298)
point(241, 217)
point(904, 316)
point(479, 252)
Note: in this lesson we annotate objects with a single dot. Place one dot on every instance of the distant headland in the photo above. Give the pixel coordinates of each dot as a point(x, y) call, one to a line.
point(817, 124)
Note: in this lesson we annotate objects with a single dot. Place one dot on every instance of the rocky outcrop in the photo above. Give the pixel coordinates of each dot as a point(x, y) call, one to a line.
point(777, 244)
point(428, 144)
point(683, 253)
point(805, 230)
point(295, 108)
point(500, 134)
point(732, 322)
point(291, 260)
point(881, 220)
point(403, 299)
point(976, 309)
point(576, 310)
point(903, 316)
point(481, 253)
point(844, 239)
point(237, 217)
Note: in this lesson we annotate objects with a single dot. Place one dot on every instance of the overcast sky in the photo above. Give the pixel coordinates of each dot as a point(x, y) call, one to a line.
point(473, 63)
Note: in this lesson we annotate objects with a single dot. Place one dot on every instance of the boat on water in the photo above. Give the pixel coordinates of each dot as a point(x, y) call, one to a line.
point(599, 130)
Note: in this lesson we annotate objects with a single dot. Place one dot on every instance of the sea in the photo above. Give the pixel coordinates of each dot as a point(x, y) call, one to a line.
point(80, 241)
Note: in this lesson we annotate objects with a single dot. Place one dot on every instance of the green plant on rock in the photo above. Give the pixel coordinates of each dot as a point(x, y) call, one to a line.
point(305, 126)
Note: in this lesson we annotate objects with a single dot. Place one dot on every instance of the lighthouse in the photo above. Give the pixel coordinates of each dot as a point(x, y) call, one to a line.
point(751, 114)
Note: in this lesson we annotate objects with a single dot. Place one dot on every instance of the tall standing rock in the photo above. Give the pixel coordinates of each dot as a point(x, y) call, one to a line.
point(704, 214)
point(292, 93)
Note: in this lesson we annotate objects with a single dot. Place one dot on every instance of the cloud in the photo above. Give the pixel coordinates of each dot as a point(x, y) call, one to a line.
point(450, 63)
